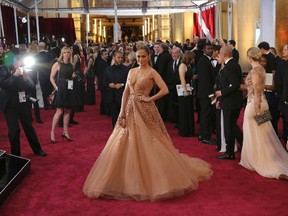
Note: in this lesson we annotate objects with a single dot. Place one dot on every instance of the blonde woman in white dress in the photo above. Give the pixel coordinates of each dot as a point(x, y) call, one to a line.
point(262, 151)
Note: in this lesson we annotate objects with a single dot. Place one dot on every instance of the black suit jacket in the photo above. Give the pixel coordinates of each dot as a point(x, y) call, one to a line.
point(115, 74)
point(10, 86)
point(100, 68)
point(206, 77)
point(235, 55)
point(172, 78)
point(231, 78)
point(162, 63)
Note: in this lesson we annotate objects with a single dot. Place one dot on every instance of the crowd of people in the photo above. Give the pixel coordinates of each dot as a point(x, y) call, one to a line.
point(139, 84)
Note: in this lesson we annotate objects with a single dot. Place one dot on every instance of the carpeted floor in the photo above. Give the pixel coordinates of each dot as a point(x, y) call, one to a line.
point(54, 184)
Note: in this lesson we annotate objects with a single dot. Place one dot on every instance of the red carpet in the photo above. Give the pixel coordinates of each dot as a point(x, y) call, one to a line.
point(54, 184)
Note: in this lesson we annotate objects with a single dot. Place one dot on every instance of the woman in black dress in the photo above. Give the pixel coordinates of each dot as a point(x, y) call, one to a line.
point(186, 107)
point(90, 77)
point(61, 78)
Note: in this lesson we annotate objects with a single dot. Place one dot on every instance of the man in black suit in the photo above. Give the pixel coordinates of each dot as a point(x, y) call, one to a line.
point(281, 88)
point(173, 79)
point(162, 63)
point(15, 85)
point(114, 81)
point(231, 100)
point(155, 55)
point(100, 66)
point(235, 53)
point(270, 89)
point(206, 81)
point(43, 66)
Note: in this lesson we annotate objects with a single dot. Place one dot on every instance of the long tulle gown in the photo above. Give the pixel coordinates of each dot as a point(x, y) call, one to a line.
point(262, 151)
point(139, 161)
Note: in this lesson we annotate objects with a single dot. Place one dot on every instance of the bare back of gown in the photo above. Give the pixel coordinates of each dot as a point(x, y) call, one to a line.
point(139, 161)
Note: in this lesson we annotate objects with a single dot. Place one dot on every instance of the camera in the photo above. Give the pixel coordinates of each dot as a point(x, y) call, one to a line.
point(31, 99)
point(21, 70)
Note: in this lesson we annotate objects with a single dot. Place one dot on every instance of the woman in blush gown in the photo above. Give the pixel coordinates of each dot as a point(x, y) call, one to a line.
point(262, 151)
point(139, 160)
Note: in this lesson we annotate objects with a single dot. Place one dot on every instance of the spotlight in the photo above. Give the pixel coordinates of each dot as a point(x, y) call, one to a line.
point(24, 20)
point(63, 39)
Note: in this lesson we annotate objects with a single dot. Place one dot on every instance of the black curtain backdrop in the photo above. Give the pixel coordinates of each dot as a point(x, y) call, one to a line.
point(59, 27)
point(8, 24)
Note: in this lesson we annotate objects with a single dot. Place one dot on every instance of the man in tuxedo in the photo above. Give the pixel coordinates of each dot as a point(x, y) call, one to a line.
point(114, 81)
point(231, 100)
point(15, 85)
point(155, 55)
point(206, 81)
point(173, 79)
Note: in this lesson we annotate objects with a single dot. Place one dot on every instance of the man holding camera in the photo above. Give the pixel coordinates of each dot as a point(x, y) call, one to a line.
point(15, 85)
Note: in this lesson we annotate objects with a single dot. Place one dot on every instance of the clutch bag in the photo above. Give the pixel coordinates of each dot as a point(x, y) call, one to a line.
point(265, 117)
point(180, 89)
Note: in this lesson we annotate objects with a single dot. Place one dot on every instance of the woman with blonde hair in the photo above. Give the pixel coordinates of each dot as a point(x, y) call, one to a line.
point(262, 151)
point(61, 78)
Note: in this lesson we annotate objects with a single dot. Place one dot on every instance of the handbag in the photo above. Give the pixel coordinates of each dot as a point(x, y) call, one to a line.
point(265, 117)
point(51, 97)
point(180, 89)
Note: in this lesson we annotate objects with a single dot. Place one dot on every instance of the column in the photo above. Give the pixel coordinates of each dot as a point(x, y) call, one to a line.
point(268, 17)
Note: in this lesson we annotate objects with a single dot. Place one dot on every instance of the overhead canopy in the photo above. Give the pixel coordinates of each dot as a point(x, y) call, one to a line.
point(106, 7)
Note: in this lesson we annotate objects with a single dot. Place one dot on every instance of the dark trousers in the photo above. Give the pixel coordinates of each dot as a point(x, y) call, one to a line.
point(205, 118)
point(218, 127)
point(14, 112)
point(163, 106)
point(273, 108)
point(231, 129)
point(46, 88)
point(115, 109)
point(36, 105)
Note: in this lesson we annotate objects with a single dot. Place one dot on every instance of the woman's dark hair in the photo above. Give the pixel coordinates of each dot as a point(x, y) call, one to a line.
point(76, 49)
point(147, 50)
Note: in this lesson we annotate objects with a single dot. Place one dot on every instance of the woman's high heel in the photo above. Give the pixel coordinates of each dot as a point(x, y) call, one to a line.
point(66, 137)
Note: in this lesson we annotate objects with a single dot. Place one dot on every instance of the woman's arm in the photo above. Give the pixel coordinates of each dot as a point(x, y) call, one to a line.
point(53, 73)
point(182, 71)
point(257, 90)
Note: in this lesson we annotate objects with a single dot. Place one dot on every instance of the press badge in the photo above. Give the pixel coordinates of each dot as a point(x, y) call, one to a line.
point(22, 97)
point(70, 84)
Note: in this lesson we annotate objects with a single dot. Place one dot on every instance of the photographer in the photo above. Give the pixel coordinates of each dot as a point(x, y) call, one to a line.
point(15, 84)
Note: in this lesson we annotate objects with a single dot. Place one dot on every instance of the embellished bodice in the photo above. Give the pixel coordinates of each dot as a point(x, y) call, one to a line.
point(255, 84)
point(140, 82)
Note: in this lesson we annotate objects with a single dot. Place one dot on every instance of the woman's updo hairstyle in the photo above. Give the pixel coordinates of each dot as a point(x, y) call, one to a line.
point(254, 53)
